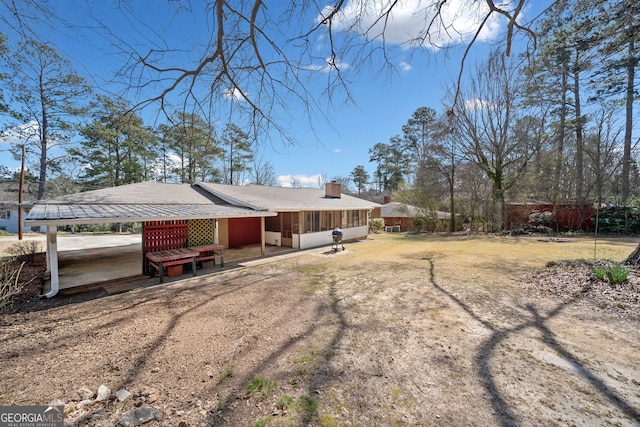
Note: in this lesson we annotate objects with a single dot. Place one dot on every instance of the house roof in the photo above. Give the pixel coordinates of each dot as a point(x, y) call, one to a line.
point(284, 198)
point(156, 201)
point(149, 193)
point(402, 210)
point(144, 201)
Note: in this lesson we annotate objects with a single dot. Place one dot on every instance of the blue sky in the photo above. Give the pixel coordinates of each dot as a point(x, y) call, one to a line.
point(383, 101)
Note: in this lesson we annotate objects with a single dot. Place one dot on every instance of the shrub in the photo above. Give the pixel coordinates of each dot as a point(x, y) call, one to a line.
point(9, 285)
point(376, 224)
point(618, 220)
point(26, 249)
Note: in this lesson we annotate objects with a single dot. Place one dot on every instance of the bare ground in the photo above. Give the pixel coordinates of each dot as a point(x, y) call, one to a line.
point(394, 331)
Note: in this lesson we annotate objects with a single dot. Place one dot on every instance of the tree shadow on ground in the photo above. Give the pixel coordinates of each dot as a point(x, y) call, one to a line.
point(505, 414)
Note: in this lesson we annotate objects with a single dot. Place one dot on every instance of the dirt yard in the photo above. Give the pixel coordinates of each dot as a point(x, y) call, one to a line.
point(394, 331)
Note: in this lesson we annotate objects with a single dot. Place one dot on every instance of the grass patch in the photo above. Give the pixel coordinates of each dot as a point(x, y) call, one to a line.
point(228, 372)
point(308, 408)
point(284, 402)
point(327, 421)
point(222, 402)
point(262, 422)
point(316, 274)
point(304, 365)
point(261, 386)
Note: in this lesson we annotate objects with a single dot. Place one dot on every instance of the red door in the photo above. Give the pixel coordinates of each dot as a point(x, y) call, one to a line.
point(244, 231)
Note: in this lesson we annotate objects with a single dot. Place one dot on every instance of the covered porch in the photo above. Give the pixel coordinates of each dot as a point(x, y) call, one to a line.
point(112, 262)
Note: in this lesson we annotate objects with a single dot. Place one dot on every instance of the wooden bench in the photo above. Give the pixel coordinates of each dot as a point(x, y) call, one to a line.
point(161, 259)
point(209, 252)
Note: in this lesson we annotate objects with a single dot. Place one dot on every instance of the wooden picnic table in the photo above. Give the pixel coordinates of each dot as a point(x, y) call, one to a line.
point(210, 252)
point(161, 259)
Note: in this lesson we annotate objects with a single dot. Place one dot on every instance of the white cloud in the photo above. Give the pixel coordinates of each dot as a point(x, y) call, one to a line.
point(301, 180)
point(477, 104)
point(405, 66)
point(336, 150)
point(408, 22)
point(330, 64)
point(234, 94)
point(25, 132)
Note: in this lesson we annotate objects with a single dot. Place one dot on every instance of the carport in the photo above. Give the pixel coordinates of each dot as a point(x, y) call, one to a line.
point(146, 202)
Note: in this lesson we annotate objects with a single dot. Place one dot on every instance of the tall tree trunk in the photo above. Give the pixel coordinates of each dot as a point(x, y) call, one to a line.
point(561, 136)
point(452, 211)
point(634, 257)
point(579, 174)
point(44, 142)
point(626, 156)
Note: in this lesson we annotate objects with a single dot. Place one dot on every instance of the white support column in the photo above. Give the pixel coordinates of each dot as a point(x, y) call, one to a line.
point(216, 238)
point(52, 260)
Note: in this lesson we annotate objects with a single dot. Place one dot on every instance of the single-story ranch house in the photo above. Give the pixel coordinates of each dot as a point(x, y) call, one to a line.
point(401, 217)
point(9, 218)
point(187, 215)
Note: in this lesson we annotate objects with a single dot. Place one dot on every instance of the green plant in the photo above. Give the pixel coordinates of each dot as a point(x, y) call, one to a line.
point(284, 401)
point(262, 422)
point(228, 372)
point(327, 421)
point(617, 273)
point(307, 407)
point(222, 402)
point(600, 272)
point(261, 385)
point(613, 274)
point(376, 224)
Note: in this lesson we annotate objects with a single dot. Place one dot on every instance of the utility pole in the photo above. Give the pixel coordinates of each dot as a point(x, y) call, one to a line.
point(20, 195)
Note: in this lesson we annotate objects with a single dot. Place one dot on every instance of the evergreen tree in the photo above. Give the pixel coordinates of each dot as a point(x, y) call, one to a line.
point(619, 40)
point(392, 164)
point(48, 95)
point(238, 156)
point(360, 178)
point(418, 134)
point(116, 148)
point(193, 141)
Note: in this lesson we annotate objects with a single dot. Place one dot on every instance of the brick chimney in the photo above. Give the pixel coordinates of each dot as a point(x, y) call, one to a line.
point(333, 190)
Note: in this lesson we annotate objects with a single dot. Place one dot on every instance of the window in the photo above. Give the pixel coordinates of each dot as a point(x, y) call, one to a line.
point(356, 218)
point(316, 221)
point(312, 222)
point(5, 215)
point(272, 223)
point(296, 223)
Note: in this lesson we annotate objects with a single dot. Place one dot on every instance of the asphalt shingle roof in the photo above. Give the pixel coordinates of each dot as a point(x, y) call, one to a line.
point(284, 198)
point(141, 193)
point(156, 201)
point(401, 210)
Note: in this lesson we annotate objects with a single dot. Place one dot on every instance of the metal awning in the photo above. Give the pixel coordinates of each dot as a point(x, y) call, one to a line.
point(69, 214)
